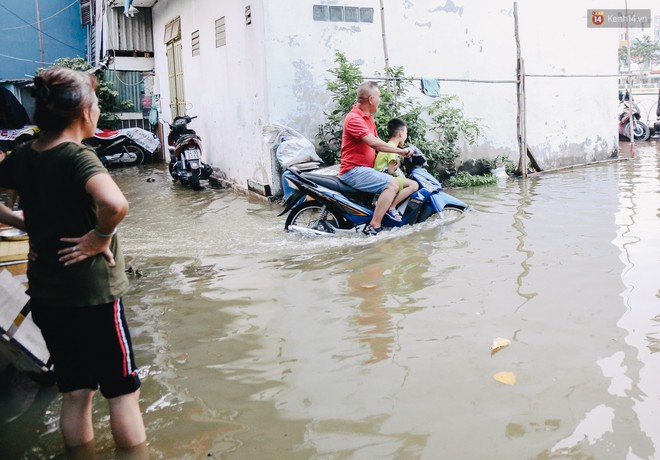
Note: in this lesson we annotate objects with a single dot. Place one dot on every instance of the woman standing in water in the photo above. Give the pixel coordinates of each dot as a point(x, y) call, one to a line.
point(72, 208)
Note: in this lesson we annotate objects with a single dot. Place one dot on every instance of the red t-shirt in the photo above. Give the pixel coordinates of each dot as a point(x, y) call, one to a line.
point(355, 152)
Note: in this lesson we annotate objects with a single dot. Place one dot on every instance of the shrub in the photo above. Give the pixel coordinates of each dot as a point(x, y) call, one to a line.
point(465, 179)
point(447, 121)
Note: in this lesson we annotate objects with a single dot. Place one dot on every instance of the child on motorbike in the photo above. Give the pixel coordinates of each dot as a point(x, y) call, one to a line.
point(390, 163)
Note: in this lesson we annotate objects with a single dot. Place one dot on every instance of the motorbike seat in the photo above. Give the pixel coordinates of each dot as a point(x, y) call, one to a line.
point(331, 182)
point(106, 133)
point(334, 183)
point(187, 139)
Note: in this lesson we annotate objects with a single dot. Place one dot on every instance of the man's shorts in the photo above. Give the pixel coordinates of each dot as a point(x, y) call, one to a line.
point(90, 347)
point(366, 179)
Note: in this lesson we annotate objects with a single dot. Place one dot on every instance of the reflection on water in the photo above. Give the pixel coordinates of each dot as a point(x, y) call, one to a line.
point(259, 344)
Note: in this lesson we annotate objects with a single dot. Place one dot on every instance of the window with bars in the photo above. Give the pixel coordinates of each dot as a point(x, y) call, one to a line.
point(195, 43)
point(220, 33)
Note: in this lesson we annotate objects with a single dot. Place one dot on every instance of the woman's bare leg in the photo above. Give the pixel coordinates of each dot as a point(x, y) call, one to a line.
point(126, 420)
point(76, 418)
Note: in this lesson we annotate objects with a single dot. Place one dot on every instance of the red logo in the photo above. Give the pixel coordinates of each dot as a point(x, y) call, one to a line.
point(597, 18)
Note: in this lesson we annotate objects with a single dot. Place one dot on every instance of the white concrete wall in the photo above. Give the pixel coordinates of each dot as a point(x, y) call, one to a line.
point(569, 120)
point(276, 71)
point(226, 86)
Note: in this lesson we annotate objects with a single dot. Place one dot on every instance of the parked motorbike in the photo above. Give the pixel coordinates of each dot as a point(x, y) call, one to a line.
point(324, 205)
point(123, 147)
point(10, 138)
point(185, 148)
point(631, 127)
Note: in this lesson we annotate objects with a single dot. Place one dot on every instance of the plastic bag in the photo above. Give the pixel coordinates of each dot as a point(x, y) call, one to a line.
point(296, 150)
point(291, 147)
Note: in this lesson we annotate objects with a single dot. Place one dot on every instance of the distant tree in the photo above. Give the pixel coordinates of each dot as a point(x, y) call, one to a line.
point(108, 102)
point(645, 53)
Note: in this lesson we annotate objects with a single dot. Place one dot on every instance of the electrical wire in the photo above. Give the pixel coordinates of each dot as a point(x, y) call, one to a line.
point(24, 60)
point(43, 20)
point(469, 80)
point(41, 31)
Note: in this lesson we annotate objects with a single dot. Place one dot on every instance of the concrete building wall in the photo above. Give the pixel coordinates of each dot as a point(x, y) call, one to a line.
point(569, 119)
point(275, 70)
point(225, 86)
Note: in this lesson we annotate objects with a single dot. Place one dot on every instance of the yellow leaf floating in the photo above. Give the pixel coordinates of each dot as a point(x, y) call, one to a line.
point(508, 378)
point(499, 343)
point(368, 286)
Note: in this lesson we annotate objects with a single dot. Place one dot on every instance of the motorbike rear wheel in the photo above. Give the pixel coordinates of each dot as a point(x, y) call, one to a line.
point(131, 155)
point(313, 215)
point(194, 180)
point(171, 167)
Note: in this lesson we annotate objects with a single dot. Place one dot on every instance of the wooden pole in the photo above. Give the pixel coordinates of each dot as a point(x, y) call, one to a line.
point(629, 89)
point(383, 34)
point(520, 87)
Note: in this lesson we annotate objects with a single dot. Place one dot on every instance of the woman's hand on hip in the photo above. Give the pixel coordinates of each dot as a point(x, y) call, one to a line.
point(88, 245)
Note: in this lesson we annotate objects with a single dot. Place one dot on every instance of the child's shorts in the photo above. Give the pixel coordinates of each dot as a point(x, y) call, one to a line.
point(401, 179)
point(90, 347)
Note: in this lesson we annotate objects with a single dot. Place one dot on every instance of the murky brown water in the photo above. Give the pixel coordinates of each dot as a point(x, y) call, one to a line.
point(256, 344)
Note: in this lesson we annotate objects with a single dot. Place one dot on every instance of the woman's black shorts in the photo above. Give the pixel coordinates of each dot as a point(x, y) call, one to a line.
point(90, 347)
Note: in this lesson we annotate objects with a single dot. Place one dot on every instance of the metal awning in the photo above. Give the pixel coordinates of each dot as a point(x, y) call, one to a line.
point(135, 3)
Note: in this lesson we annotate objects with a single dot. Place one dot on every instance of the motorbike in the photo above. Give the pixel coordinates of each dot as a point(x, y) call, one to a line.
point(631, 127)
point(185, 148)
point(656, 125)
point(10, 138)
point(123, 147)
point(322, 204)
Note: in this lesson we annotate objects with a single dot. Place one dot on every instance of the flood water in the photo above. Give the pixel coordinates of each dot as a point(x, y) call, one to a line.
point(257, 344)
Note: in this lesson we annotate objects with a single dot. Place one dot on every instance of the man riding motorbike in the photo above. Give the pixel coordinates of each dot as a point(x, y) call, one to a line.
point(358, 152)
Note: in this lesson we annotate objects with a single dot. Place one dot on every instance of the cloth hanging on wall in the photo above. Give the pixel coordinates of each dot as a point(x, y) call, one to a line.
point(431, 87)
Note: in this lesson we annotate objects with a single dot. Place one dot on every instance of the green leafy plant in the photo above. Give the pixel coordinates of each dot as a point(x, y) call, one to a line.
point(109, 104)
point(344, 85)
point(500, 160)
point(465, 179)
point(447, 124)
point(395, 102)
point(451, 124)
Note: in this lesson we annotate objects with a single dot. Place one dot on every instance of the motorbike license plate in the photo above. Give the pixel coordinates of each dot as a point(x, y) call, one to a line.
point(193, 154)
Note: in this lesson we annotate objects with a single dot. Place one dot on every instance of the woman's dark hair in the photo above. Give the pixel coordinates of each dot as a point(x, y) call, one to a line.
point(62, 96)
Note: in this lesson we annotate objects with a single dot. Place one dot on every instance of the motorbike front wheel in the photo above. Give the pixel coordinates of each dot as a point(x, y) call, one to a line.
point(448, 215)
point(640, 130)
point(313, 215)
